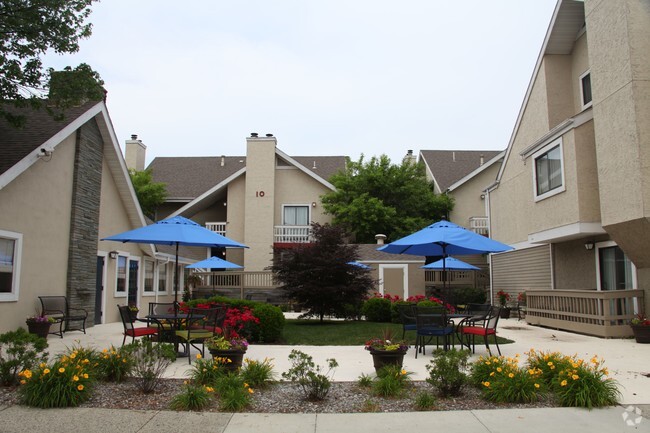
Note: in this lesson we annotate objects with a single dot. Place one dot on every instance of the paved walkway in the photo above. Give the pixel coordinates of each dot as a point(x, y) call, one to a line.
point(626, 360)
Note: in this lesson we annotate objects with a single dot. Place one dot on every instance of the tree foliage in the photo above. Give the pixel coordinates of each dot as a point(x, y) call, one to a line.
point(318, 275)
point(30, 28)
point(150, 194)
point(380, 197)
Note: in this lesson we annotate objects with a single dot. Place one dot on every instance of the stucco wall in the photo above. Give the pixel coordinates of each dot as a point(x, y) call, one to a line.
point(467, 198)
point(293, 187)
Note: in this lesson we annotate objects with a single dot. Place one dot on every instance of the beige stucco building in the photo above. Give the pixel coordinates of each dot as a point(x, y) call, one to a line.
point(572, 193)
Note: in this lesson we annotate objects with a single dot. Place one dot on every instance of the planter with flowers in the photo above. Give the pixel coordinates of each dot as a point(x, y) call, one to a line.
point(386, 350)
point(641, 328)
point(39, 325)
point(230, 347)
point(503, 302)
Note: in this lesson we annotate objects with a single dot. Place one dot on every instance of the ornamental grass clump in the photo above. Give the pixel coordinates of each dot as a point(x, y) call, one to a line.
point(447, 371)
point(391, 381)
point(114, 365)
point(508, 383)
point(585, 384)
point(258, 374)
point(234, 393)
point(64, 383)
point(194, 396)
point(425, 401)
point(19, 350)
point(313, 380)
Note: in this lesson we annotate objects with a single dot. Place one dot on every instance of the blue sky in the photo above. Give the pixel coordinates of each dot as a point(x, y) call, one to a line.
point(331, 77)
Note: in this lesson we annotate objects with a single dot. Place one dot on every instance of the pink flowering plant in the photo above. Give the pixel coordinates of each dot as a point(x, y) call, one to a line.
point(40, 318)
point(229, 340)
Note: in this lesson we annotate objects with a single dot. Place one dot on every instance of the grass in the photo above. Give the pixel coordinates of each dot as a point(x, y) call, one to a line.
point(344, 332)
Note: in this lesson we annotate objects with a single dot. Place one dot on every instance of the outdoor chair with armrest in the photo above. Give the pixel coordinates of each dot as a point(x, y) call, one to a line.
point(200, 326)
point(478, 313)
point(67, 317)
point(469, 332)
point(162, 308)
point(130, 330)
point(407, 317)
point(432, 322)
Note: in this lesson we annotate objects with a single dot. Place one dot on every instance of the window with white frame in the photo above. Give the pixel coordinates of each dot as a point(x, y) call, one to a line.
point(615, 270)
point(162, 277)
point(122, 275)
point(585, 90)
point(295, 215)
point(148, 276)
point(549, 170)
point(10, 253)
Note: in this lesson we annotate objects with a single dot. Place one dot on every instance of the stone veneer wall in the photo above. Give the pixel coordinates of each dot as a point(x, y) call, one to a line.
point(84, 218)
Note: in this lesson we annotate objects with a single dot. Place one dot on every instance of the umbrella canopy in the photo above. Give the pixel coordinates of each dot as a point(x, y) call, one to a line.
point(359, 265)
point(444, 238)
point(175, 231)
point(214, 262)
point(452, 264)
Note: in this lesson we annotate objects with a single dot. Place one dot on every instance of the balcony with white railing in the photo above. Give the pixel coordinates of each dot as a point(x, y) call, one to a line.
point(479, 225)
point(292, 234)
point(217, 227)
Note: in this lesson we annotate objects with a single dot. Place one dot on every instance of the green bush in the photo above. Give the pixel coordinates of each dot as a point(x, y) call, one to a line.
point(193, 397)
point(234, 393)
point(64, 383)
point(257, 374)
point(585, 384)
point(150, 360)
point(447, 371)
point(394, 310)
point(377, 310)
point(114, 364)
point(469, 295)
point(428, 303)
point(208, 371)
point(391, 381)
point(549, 364)
point(19, 350)
point(314, 383)
point(424, 401)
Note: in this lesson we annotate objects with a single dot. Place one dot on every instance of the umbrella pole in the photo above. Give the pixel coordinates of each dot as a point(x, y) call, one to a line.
point(176, 278)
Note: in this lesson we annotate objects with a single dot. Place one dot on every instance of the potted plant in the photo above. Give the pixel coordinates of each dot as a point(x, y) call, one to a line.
point(133, 311)
point(229, 346)
point(641, 328)
point(39, 324)
point(503, 301)
point(386, 350)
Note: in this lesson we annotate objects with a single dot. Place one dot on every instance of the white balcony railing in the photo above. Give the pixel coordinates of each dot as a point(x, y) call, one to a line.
point(479, 225)
point(218, 227)
point(292, 234)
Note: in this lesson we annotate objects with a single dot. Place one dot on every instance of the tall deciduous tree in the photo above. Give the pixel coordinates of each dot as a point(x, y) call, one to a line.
point(150, 194)
point(319, 276)
point(29, 28)
point(380, 197)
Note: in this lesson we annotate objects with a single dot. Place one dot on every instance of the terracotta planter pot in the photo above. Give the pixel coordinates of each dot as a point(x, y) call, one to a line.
point(235, 356)
point(381, 358)
point(42, 329)
point(641, 333)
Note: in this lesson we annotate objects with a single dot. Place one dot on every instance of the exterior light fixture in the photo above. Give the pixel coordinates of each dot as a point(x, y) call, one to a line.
point(589, 245)
point(113, 254)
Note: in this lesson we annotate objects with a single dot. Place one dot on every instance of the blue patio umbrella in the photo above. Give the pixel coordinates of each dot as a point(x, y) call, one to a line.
point(444, 238)
point(359, 265)
point(176, 231)
point(214, 262)
point(451, 264)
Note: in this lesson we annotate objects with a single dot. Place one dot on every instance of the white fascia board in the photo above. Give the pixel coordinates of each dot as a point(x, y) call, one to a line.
point(565, 233)
point(428, 169)
point(209, 192)
point(477, 171)
point(304, 169)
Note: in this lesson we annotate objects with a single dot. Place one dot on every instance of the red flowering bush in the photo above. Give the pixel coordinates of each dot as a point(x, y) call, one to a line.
point(503, 297)
point(239, 321)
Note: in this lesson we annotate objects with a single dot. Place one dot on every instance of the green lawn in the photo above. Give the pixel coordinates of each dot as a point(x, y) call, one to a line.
point(343, 333)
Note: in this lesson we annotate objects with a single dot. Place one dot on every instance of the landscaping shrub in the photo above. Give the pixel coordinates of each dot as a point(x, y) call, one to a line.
point(585, 384)
point(447, 371)
point(193, 397)
point(484, 368)
point(64, 383)
point(394, 310)
point(314, 383)
point(207, 371)
point(377, 310)
point(503, 381)
point(469, 295)
point(550, 364)
point(391, 381)
point(114, 365)
point(19, 350)
point(150, 360)
point(234, 393)
point(257, 374)
point(425, 401)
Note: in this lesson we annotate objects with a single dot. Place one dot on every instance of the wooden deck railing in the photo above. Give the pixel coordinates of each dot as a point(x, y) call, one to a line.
point(240, 281)
point(457, 278)
point(601, 313)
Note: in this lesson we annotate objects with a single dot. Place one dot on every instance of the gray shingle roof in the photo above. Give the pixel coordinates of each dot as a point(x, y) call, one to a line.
point(189, 177)
point(368, 252)
point(17, 143)
point(449, 166)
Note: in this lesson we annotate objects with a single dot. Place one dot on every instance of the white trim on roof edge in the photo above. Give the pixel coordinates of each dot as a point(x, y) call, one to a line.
point(304, 169)
point(476, 171)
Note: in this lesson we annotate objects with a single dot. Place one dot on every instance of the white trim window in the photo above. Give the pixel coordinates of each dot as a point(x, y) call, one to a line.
point(548, 171)
point(121, 276)
point(10, 254)
point(162, 277)
point(149, 280)
point(614, 270)
point(585, 90)
point(295, 215)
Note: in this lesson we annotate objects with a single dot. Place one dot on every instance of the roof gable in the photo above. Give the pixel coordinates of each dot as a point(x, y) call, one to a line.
point(449, 166)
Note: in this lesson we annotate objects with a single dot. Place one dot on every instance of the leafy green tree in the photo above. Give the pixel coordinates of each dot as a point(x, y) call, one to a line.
point(150, 194)
point(380, 197)
point(318, 275)
point(28, 29)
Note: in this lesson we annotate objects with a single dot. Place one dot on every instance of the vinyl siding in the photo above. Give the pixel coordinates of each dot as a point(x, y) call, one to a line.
point(520, 270)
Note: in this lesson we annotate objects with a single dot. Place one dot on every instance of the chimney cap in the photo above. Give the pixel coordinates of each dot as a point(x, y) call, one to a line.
point(134, 136)
point(254, 134)
point(269, 135)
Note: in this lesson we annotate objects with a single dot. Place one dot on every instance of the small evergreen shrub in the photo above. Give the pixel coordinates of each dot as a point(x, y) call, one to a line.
point(19, 350)
point(314, 381)
point(377, 310)
point(269, 330)
point(447, 371)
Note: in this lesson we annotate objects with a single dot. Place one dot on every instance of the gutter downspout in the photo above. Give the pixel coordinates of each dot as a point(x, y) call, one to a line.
point(488, 209)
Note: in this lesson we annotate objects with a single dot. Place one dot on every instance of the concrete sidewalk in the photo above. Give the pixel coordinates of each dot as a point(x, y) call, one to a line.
point(626, 360)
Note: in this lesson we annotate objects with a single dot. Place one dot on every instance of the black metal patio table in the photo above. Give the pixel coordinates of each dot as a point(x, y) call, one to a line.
point(175, 320)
